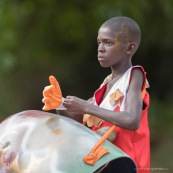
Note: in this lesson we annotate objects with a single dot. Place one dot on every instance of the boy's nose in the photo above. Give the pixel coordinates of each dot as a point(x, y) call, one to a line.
point(100, 48)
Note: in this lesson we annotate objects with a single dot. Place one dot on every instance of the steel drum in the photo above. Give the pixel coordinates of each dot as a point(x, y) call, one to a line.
point(40, 142)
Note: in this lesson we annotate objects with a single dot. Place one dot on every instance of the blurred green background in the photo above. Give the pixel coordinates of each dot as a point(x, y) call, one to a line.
point(39, 38)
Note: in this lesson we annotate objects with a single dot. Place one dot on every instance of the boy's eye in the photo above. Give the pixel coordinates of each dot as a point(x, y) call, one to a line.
point(109, 43)
point(98, 42)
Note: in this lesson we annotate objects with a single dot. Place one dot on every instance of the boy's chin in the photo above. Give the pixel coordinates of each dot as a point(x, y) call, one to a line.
point(104, 65)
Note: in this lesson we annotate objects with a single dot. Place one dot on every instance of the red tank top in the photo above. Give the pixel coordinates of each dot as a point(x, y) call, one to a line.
point(135, 143)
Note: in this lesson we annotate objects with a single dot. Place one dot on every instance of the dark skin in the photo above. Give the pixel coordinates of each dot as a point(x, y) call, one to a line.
point(116, 54)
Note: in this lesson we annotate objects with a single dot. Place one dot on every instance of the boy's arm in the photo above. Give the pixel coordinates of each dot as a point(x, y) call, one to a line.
point(129, 119)
point(72, 115)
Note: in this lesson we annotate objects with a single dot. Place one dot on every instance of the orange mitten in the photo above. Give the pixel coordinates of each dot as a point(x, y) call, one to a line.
point(52, 95)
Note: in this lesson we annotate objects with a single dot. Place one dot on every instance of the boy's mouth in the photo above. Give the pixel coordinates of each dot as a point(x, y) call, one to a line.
point(100, 58)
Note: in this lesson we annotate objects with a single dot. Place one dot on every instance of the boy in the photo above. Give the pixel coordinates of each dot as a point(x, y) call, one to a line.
point(122, 99)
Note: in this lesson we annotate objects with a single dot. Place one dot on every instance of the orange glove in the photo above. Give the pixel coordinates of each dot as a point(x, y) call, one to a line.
point(52, 95)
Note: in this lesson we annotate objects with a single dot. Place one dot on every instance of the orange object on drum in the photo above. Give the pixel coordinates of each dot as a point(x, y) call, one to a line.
point(52, 95)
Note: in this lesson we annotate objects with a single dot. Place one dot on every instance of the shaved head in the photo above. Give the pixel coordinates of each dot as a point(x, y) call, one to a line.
point(124, 28)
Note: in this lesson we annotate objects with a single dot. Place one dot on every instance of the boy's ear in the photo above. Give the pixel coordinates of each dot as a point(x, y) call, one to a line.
point(131, 48)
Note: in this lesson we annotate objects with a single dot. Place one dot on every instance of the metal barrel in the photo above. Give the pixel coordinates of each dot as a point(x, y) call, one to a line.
point(39, 142)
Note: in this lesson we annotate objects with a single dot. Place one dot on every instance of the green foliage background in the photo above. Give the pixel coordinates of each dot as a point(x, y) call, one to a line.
point(43, 37)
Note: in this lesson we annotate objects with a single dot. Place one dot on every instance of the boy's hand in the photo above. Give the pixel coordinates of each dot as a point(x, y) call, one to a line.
point(75, 104)
point(52, 95)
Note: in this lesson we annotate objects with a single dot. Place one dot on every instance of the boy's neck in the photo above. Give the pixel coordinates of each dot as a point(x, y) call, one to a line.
point(120, 70)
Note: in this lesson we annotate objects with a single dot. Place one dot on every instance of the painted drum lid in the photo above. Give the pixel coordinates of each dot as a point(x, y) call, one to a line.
point(40, 142)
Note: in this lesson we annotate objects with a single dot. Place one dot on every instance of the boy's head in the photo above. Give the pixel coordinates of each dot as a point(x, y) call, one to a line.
point(125, 29)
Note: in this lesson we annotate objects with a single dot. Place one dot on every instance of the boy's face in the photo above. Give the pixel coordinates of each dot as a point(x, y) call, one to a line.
point(111, 50)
